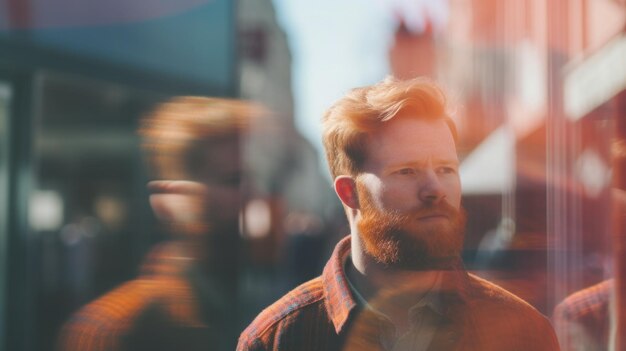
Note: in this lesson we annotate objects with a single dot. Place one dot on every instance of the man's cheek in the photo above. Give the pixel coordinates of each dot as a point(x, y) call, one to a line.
point(224, 203)
point(181, 208)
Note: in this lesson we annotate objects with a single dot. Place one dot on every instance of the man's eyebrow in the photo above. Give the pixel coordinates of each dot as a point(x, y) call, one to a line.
point(439, 161)
point(454, 162)
point(417, 164)
point(399, 165)
point(403, 164)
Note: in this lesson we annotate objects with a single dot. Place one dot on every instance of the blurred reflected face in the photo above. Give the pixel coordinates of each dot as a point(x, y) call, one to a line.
point(409, 192)
point(209, 200)
point(222, 174)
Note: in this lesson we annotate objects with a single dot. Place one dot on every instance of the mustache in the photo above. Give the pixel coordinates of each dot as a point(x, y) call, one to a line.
point(441, 209)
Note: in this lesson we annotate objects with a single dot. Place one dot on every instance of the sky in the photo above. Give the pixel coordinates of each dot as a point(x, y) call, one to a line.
point(335, 46)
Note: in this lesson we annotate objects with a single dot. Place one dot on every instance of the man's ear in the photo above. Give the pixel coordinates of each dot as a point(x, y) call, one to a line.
point(345, 187)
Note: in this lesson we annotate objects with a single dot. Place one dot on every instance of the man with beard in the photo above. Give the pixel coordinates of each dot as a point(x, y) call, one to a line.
point(397, 283)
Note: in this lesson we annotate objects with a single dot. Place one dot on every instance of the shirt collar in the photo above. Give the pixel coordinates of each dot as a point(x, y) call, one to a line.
point(431, 299)
point(340, 300)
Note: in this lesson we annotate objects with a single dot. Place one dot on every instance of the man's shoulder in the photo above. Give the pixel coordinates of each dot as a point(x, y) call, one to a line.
point(584, 317)
point(102, 323)
point(304, 295)
point(494, 304)
point(285, 313)
point(592, 302)
point(506, 321)
point(104, 320)
point(486, 293)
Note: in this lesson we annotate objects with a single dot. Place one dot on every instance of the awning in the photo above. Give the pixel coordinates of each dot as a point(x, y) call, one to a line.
point(490, 168)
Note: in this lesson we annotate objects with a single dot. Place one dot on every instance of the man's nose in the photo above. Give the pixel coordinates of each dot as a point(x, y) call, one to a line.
point(431, 190)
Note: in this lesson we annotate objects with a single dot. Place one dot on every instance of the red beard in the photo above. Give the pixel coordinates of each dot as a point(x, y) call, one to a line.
point(399, 240)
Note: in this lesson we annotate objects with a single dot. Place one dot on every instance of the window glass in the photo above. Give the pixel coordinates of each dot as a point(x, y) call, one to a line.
point(87, 210)
point(5, 101)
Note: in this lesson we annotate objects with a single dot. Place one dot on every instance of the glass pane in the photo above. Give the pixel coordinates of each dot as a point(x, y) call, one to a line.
point(537, 90)
point(87, 211)
point(5, 101)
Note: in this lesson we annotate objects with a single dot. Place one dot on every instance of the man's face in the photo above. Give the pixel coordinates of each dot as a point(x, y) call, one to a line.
point(409, 195)
point(209, 200)
point(222, 174)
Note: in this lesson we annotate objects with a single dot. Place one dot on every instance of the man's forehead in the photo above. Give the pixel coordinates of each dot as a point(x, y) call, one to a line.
point(407, 138)
point(221, 156)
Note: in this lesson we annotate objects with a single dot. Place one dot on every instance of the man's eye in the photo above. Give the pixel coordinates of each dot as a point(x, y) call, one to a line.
point(406, 171)
point(447, 170)
point(232, 180)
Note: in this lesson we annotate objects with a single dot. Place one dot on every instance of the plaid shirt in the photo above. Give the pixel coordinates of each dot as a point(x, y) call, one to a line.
point(168, 307)
point(582, 320)
point(323, 314)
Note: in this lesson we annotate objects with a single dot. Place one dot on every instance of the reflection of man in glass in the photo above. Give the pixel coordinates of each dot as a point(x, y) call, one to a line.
point(583, 319)
point(397, 283)
point(184, 297)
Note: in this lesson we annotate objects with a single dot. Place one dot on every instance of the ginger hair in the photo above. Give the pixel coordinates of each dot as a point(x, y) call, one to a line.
point(176, 132)
point(348, 123)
